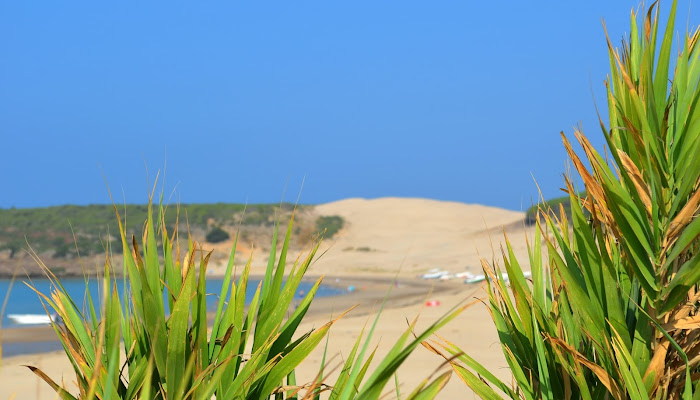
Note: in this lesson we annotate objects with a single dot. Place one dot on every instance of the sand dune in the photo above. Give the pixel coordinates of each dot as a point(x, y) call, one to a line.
point(384, 235)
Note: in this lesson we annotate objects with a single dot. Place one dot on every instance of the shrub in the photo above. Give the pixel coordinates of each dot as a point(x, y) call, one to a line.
point(63, 251)
point(14, 246)
point(171, 353)
point(612, 310)
point(217, 235)
point(255, 218)
point(328, 226)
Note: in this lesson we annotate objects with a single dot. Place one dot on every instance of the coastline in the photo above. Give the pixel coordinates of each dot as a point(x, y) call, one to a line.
point(366, 298)
point(472, 331)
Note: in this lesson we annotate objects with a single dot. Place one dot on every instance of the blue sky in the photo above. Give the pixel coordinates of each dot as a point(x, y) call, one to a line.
point(450, 100)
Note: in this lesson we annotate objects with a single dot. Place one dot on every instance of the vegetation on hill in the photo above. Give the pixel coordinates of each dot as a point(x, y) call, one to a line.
point(57, 230)
point(330, 225)
point(552, 206)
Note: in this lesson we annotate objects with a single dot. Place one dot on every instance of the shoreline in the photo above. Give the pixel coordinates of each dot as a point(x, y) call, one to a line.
point(472, 330)
point(366, 299)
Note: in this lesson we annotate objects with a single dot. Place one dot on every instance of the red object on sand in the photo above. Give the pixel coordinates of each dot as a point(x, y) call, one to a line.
point(432, 303)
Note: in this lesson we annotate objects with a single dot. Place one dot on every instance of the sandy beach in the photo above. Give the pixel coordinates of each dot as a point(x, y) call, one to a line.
point(382, 238)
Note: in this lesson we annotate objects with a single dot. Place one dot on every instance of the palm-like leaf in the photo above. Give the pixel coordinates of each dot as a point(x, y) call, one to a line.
point(612, 309)
point(171, 355)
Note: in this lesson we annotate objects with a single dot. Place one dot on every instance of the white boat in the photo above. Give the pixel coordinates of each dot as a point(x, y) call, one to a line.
point(31, 319)
point(435, 273)
point(463, 275)
point(506, 278)
point(478, 278)
point(471, 278)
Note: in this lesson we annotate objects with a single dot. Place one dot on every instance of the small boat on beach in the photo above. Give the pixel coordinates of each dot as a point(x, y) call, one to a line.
point(32, 319)
point(470, 278)
point(435, 273)
point(463, 275)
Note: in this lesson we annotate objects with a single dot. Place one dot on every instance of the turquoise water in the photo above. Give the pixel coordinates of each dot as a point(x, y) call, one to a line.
point(23, 300)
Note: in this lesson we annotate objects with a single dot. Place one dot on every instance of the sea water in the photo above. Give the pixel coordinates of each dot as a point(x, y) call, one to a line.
point(23, 300)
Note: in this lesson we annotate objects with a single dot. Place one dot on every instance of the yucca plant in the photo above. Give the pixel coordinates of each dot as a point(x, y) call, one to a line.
point(142, 346)
point(612, 307)
point(169, 353)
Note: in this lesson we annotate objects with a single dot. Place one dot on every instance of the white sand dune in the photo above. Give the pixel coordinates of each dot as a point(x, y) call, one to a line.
point(384, 235)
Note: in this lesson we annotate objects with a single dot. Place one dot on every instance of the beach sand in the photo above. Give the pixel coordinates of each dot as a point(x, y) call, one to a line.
point(382, 238)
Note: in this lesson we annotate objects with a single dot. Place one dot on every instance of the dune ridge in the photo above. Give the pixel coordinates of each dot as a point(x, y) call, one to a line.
point(413, 235)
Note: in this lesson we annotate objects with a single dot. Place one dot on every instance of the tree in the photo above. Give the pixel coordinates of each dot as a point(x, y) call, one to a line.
point(217, 235)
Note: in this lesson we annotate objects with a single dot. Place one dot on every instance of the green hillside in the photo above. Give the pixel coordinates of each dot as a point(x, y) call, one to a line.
point(49, 229)
point(552, 205)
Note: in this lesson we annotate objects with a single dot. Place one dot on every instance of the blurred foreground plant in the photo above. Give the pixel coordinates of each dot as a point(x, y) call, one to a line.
point(612, 308)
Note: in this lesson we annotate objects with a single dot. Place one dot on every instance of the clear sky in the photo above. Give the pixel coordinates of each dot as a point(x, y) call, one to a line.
point(451, 100)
